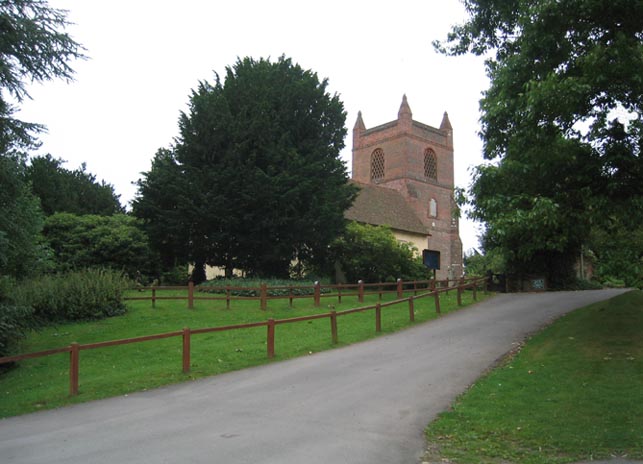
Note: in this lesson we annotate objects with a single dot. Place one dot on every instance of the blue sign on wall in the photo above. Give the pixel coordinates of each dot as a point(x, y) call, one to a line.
point(431, 259)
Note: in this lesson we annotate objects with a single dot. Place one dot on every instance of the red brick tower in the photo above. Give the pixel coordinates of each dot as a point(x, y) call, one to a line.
point(417, 161)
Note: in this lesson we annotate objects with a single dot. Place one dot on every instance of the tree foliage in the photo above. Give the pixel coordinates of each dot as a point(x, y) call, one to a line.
point(373, 254)
point(162, 195)
point(20, 222)
point(618, 254)
point(33, 48)
point(115, 242)
point(254, 180)
point(64, 191)
point(562, 122)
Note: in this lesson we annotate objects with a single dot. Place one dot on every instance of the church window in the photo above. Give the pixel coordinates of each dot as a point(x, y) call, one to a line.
point(430, 164)
point(433, 208)
point(377, 164)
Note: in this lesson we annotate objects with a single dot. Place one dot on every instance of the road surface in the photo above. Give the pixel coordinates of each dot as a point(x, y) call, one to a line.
point(366, 403)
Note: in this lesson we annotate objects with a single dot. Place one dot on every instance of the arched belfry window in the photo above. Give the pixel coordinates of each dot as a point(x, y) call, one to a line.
point(377, 164)
point(430, 164)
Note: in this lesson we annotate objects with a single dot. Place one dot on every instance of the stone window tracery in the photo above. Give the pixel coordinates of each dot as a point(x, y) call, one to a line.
point(430, 164)
point(377, 164)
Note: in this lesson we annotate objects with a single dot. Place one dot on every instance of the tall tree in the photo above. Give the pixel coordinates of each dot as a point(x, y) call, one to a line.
point(162, 199)
point(33, 48)
point(258, 161)
point(20, 222)
point(562, 123)
point(63, 190)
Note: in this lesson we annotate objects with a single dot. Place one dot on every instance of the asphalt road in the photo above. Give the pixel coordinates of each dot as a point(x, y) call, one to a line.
point(367, 403)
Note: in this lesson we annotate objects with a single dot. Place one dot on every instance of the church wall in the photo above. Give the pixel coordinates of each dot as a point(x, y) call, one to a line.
point(404, 142)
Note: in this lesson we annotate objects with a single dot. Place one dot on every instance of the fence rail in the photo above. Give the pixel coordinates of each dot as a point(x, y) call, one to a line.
point(359, 290)
point(74, 349)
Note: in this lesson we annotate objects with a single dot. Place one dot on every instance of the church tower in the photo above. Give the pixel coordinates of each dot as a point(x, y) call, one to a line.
point(416, 160)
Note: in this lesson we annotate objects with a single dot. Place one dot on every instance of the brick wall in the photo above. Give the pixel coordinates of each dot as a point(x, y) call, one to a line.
point(404, 142)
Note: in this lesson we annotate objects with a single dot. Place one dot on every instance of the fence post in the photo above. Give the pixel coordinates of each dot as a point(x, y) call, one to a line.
point(437, 301)
point(339, 294)
point(360, 291)
point(411, 310)
point(290, 295)
point(433, 284)
point(153, 297)
point(400, 292)
point(271, 338)
point(317, 293)
point(333, 326)
point(74, 366)
point(378, 318)
point(459, 294)
point(263, 295)
point(227, 297)
point(186, 350)
point(190, 295)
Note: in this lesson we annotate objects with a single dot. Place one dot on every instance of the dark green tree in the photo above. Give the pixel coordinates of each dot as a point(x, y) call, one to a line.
point(257, 162)
point(162, 199)
point(20, 222)
point(562, 123)
point(33, 48)
point(77, 192)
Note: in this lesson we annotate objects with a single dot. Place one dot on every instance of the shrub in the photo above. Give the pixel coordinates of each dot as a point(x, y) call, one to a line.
point(76, 295)
point(582, 284)
point(15, 322)
point(373, 254)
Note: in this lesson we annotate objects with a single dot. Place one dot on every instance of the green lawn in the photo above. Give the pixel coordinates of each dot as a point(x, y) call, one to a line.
point(43, 383)
point(574, 392)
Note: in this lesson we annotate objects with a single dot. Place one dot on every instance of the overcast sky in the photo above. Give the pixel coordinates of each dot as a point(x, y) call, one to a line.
point(146, 56)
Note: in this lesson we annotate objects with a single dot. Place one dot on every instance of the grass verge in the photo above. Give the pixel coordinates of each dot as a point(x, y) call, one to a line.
point(574, 392)
point(43, 383)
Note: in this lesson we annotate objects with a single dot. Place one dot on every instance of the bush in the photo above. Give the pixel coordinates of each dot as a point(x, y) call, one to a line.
point(613, 282)
point(582, 284)
point(15, 320)
point(116, 242)
point(178, 275)
point(373, 254)
point(77, 295)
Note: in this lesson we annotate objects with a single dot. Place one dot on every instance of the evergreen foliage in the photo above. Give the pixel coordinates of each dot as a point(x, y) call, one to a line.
point(64, 191)
point(254, 180)
point(33, 48)
point(20, 221)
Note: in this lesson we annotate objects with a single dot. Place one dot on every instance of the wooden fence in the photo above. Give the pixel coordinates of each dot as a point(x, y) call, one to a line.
point(186, 334)
point(315, 291)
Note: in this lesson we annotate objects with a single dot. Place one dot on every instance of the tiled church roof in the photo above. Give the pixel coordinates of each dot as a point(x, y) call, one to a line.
point(384, 206)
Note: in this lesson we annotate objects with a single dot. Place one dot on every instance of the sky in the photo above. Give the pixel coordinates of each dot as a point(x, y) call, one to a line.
point(145, 57)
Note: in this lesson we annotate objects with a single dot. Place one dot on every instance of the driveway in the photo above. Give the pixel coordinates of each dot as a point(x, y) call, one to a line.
point(366, 403)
